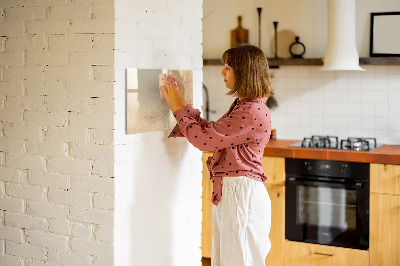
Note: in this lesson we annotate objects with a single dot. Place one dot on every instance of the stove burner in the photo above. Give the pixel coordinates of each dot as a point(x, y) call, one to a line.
point(358, 144)
point(328, 142)
point(332, 142)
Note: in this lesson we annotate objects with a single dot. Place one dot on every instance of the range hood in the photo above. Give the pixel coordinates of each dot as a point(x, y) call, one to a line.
point(341, 51)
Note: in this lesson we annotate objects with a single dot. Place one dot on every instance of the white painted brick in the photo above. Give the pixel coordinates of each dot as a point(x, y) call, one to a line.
point(46, 148)
point(47, 240)
point(104, 73)
point(91, 58)
point(91, 26)
point(12, 28)
point(25, 161)
point(12, 204)
point(24, 132)
point(12, 234)
point(11, 117)
point(98, 120)
point(24, 73)
point(103, 202)
point(70, 12)
point(64, 134)
point(70, 42)
point(31, 43)
point(105, 260)
point(93, 184)
point(47, 58)
point(103, 41)
point(11, 59)
point(46, 2)
point(47, 27)
point(69, 197)
point(25, 221)
point(104, 11)
point(25, 103)
point(103, 168)
point(91, 247)
point(2, 191)
point(92, 151)
point(60, 227)
point(31, 262)
point(46, 118)
point(82, 230)
point(12, 145)
point(46, 209)
point(48, 179)
point(68, 258)
point(2, 44)
point(81, 73)
point(91, 89)
point(25, 191)
point(95, 216)
point(105, 233)
point(2, 222)
point(56, 103)
point(25, 250)
point(69, 166)
point(96, 105)
point(11, 88)
point(2, 158)
point(24, 13)
point(8, 260)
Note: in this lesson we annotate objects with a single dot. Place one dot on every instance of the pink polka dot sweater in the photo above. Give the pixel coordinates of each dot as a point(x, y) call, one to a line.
point(238, 139)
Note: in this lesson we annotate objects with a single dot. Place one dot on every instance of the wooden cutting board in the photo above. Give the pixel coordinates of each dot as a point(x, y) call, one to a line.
point(239, 35)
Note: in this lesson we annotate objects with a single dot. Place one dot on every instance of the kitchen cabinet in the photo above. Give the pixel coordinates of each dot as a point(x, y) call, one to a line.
point(385, 214)
point(274, 168)
point(305, 254)
point(206, 225)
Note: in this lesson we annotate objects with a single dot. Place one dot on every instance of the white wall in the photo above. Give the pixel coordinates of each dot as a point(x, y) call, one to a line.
point(158, 180)
point(56, 132)
point(311, 102)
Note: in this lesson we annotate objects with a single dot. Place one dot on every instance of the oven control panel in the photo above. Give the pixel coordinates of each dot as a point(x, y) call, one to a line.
point(336, 169)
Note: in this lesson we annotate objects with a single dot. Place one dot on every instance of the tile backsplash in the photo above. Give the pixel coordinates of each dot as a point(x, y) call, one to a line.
point(314, 102)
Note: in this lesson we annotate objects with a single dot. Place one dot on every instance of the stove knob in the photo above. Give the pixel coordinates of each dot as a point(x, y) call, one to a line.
point(343, 168)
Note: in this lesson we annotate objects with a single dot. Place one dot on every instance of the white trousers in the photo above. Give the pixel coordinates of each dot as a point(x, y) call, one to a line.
point(241, 223)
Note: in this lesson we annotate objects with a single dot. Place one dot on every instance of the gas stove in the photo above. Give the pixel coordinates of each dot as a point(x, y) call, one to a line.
point(332, 142)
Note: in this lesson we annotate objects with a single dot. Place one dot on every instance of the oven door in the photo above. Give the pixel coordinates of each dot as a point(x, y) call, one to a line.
point(327, 213)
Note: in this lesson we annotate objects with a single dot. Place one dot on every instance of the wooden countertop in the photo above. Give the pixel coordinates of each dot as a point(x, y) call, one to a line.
point(389, 154)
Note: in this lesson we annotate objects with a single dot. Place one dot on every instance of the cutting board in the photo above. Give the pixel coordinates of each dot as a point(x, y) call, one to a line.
point(239, 35)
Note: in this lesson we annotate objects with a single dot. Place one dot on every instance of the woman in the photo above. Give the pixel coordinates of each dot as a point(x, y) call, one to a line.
point(242, 208)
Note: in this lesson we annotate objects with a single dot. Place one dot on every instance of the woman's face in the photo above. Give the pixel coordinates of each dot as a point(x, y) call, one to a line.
point(229, 76)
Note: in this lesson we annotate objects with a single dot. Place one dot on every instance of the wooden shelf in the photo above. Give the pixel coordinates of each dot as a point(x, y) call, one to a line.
point(274, 63)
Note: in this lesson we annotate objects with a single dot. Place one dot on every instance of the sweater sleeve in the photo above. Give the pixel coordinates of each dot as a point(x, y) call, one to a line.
point(193, 113)
point(231, 130)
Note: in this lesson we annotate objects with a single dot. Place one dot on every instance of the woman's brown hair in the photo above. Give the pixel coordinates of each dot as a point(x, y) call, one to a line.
point(250, 66)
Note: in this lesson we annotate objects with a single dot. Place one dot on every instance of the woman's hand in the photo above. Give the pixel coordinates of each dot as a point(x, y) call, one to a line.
point(181, 93)
point(171, 95)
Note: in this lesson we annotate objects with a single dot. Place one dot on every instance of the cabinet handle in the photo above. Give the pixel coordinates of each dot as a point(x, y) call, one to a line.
point(325, 254)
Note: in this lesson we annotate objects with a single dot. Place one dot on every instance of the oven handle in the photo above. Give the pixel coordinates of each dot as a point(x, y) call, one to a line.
point(357, 185)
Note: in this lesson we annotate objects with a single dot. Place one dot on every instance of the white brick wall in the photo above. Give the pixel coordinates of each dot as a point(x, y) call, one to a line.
point(154, 178)
point(56, 132)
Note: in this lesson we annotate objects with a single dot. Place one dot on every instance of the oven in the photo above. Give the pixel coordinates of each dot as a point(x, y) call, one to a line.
point(327, 202)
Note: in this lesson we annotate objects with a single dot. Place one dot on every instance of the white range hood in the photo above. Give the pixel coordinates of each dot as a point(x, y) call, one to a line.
point(341, 51)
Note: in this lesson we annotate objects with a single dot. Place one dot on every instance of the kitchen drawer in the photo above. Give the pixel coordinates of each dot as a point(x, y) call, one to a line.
point(305, 254)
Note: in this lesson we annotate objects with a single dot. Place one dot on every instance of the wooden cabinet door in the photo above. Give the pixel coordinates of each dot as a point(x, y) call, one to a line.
point(385, 178)
point(277, 233)
point(305, 254)
point(206, 226)
point(384, 236)
point(274, 168)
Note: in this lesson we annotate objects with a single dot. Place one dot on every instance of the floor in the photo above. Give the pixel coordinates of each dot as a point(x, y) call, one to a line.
point(206, 261)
